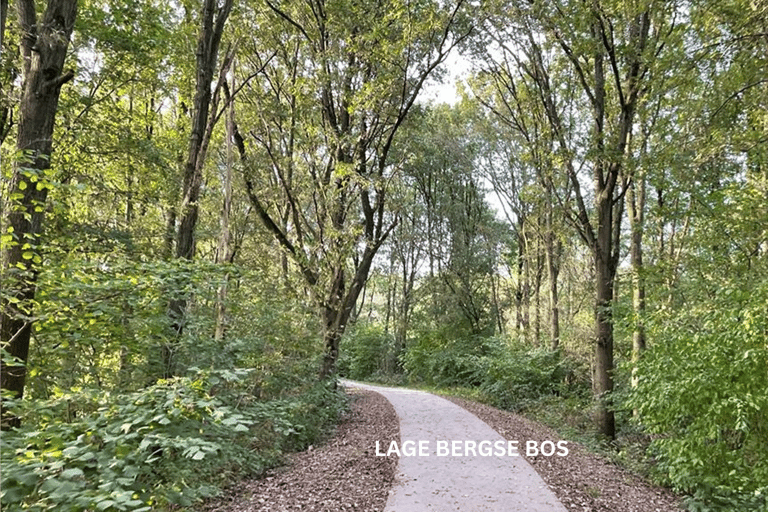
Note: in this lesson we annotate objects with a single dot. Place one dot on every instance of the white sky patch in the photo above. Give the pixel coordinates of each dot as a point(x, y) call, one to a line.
point(457, 69)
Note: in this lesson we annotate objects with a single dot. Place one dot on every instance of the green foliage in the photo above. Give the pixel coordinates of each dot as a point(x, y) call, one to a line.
point(171, 443)
point(507, 376)
point(102, 324)
point(523, 375)
point(100, 432)
point(368, 350)
point(437, 358)
point(701, 394)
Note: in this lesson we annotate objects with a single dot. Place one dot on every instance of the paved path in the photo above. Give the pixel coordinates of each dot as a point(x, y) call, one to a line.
point(456, 481)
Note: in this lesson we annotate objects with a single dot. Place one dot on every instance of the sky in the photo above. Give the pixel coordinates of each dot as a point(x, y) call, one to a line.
point(458, 69)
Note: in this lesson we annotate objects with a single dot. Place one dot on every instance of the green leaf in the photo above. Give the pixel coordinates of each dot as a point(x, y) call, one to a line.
point(103, 505)
point(72, 473)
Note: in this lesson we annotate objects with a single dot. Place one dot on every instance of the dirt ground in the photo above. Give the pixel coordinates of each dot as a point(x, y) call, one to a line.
point(343, 474)
point(582, 481)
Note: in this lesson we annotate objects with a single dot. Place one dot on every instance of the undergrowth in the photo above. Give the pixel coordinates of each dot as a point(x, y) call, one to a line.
point(168, 445)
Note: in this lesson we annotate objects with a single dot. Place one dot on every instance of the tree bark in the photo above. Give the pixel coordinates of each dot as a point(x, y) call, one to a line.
point(553, 269)
point(338, 313)
point(212, 21)
point(602, 382)
point(612, 149)
point(636, 207)
point(224, 252)
point(44, 46)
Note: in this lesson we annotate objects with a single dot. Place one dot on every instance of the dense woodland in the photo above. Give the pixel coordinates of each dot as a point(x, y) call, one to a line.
point(210, 209)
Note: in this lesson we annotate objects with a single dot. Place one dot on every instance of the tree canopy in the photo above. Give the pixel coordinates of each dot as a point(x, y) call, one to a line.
point(209, 210)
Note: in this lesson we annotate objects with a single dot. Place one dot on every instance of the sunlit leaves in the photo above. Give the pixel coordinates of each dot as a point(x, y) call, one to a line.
point(702, 390)
point(168, 444)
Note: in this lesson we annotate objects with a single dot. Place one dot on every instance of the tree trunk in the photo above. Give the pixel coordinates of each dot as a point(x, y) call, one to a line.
point(522, 289)
point(211, 30)
point(339, 310)
point(636, 206)
point(3, 17)
point(44, 49)
point(537, 294)
point(391, 290)
point(401, 333)
point(553, 268)
point(224, 252)
point(604, 275)
point(212, 21)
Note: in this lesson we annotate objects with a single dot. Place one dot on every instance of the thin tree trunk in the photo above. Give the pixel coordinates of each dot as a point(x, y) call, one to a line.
point(409, 276)
point(170, 232)
point(497, 304)
point(636, 207)
point(537, 292)
point(212, 21)
point(391, 291)
point(3, 18)
point(44, 46)
point(521, 292)
point(224, 251)
point(553, 268)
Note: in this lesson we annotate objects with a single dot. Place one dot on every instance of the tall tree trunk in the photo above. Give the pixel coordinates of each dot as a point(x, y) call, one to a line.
point(44, 46)
point(170, 232)
point(537, 293)
point(224, 252)
point(212, 21)
point(3, 18)
point(209, 39)
point(523, 288)
point(602, 381)
point(409, 277)
point(497, 310)
point(338, 312)
point(553, 270)
point(391, 291)
point(6, 78)
point(636, 207)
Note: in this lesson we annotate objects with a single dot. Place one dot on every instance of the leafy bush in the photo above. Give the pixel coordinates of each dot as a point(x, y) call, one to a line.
point(509, 376)
point(366, 349)
point(702, 395)
point(103, 324)
point(522, 375)
point(171, 443)
point(437, 358)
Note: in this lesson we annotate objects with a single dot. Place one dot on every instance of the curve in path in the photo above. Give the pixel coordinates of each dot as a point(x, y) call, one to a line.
point(456, 480)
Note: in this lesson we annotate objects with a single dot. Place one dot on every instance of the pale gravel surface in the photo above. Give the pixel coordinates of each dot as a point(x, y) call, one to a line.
point(582, 481)
point(458, 477)
point(344, 473)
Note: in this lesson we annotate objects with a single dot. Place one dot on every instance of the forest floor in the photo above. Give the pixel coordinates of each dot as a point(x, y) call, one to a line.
point(344, 473)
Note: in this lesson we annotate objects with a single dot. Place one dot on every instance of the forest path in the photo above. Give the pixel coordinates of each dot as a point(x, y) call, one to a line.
point(457, 481)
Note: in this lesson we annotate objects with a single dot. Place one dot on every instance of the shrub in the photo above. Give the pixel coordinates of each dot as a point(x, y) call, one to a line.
point(366, 350)
point(702, 395)
point(522, 375)
point(509, 376)
point(437, 358)
point(171, 443)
